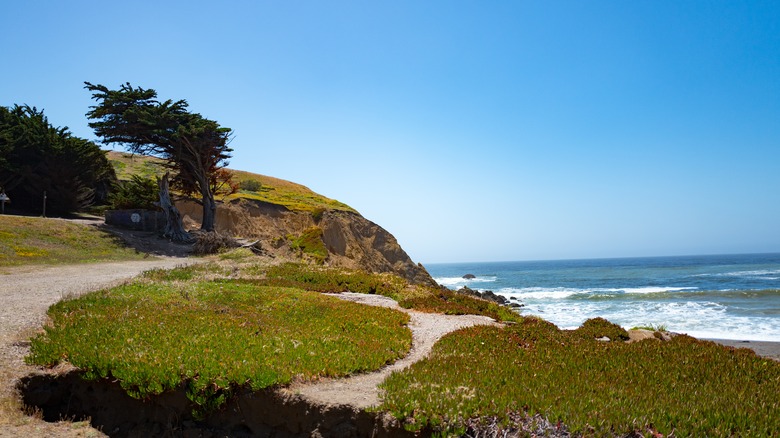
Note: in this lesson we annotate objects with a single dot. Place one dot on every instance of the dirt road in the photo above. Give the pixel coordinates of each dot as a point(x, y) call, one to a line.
point(25, 295)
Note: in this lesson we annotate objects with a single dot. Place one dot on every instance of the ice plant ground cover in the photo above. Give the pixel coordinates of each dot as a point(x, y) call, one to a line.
point(684, 386)
point(217, 336)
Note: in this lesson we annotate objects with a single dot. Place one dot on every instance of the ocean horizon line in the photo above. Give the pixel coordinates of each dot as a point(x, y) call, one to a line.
point(770, 253)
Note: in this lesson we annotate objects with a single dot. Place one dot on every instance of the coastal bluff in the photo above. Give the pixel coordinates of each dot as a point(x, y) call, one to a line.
point(335, 238)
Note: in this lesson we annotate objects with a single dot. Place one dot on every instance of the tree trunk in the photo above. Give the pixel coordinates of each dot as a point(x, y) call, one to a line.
point(209, 213)
point(174, 229)
point(209, 206)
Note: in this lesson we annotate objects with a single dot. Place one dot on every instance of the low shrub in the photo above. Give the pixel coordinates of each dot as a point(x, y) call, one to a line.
point(137, 193)
point(250, 185)
point(318, 213)
point(451, 303)
point(596, 328)
point(212, 242)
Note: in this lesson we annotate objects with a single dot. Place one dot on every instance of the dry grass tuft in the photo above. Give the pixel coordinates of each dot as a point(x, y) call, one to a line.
point(213, 242)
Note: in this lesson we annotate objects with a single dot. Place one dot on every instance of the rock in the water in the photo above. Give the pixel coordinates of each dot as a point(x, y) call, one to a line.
point(469, 276)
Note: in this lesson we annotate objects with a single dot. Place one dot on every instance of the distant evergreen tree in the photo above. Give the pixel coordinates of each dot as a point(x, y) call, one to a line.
point(36, 157)
point(138, 192)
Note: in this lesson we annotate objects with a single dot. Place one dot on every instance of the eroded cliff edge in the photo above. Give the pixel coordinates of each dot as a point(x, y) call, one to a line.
point(343, 238)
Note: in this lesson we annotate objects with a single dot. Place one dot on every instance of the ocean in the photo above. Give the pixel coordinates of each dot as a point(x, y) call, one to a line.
point(716, 296)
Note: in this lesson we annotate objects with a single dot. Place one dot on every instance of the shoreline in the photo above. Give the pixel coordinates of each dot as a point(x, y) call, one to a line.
point(768, 349)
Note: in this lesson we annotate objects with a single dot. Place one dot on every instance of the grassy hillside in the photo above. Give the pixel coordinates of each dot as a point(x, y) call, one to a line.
point(33, 240)
point(257, 187)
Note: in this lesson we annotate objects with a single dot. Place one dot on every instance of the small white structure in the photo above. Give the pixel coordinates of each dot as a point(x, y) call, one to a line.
point(3, 199)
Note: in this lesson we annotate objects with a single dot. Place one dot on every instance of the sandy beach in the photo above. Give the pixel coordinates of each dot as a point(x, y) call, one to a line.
point(762, 348)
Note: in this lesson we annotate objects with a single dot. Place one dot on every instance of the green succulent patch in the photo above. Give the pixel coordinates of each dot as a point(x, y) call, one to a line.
point(451, 303)
point(154, 336)
point(684, 386)
point(421, 298)
point(333, 280)
point(310, 243)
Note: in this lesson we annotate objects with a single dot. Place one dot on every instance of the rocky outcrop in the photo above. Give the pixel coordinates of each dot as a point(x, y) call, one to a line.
point(488, 295)
point(350, 240)
point(355, 242)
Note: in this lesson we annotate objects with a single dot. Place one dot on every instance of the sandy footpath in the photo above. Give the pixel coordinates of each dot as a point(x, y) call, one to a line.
point(361, 391)
point(762, 348)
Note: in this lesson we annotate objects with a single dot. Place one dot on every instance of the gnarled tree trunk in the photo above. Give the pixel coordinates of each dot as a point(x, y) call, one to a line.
point(209, 205)
point(174, 228)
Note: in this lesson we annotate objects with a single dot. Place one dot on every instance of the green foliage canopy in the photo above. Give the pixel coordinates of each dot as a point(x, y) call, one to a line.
point(36, 157)
point(139, 192)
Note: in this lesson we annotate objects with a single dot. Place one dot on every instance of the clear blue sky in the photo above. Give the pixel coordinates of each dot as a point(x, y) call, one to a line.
point(472, 131)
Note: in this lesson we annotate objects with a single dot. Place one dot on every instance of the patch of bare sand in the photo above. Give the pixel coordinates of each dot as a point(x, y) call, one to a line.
point(361, 391)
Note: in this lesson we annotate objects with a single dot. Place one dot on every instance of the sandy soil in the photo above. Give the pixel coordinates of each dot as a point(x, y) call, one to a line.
point(762, 348)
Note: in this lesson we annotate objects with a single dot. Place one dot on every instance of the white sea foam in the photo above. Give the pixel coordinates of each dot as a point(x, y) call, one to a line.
point(540, 293)
point(560, 293)
point(457, 282)
point(757, 274)
point(655, 289)
point(698, 319)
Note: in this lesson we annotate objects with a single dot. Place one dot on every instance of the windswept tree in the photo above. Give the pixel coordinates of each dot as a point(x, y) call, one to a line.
point(194, 148)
